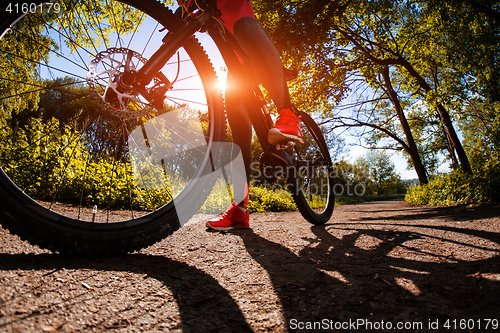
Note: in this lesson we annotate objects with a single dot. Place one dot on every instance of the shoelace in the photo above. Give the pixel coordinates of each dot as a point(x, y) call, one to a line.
point(233, 209)
point(288, 120)
point(229, 211)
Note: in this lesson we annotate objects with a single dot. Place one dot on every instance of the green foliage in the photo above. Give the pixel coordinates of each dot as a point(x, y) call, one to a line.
point(372, 174)
point(458, 187)
point(19, 63)
point(50, 163)
point(262, 199)
point(120, 19)
point(218, 200)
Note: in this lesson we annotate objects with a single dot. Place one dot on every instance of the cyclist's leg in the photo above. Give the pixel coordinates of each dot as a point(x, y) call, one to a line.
point(241, 127)
point(265, 59)
point(237, 216)
point(267, 63)
point(241, 131)
point(239, 18)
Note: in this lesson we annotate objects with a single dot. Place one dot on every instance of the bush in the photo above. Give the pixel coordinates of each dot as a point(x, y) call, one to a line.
point(218, 200)
point(458, 187)
point(50, 164)
point(262, 199)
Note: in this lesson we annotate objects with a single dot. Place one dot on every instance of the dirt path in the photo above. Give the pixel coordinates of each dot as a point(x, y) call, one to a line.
point(375, 264)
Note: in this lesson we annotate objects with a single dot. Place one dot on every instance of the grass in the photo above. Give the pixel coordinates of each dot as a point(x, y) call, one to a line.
point(349, 200)
point(262, 199)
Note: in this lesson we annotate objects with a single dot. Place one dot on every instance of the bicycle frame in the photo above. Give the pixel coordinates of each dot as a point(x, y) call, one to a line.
point(230, 50)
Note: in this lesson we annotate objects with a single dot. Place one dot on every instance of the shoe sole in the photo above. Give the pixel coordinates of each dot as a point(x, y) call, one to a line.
point(275, 137)
point(236, 226)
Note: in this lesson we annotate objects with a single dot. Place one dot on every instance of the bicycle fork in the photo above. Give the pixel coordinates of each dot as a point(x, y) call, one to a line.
point(132, 80)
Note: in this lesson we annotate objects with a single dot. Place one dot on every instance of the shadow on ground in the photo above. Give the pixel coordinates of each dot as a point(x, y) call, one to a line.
point(203, 304)
point(414, 266)
point(395, 265)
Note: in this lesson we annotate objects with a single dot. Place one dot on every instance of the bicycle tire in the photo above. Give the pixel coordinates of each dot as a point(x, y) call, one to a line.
point(21, 211)
point(312, 182)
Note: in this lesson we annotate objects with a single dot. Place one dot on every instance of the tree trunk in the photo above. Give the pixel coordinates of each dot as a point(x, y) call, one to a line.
point(412, 146)
point(452, 134)
point(451, 151)
point(443, 115)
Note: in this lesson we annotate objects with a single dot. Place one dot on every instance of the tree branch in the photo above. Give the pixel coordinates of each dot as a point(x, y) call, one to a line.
point(353, 122)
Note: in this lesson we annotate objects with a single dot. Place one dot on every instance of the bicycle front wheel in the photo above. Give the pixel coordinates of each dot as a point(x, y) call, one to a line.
point(312, 182)
point(89, 165)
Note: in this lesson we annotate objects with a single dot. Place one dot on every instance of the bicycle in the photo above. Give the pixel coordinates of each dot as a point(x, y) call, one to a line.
point(87, 82)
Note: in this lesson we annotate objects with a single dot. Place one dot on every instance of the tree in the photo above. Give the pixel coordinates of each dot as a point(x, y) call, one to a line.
point(365, 34)
point(384, 124)
point(381, 36)
point(18, 68)
point(470, 44)
point(410, 147)
point(380, 170)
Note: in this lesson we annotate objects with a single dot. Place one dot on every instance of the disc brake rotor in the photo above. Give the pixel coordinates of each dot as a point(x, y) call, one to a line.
point(104, 79)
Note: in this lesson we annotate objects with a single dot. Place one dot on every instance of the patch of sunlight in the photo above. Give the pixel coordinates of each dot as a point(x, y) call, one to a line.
point(336, 275)
point(408, 285)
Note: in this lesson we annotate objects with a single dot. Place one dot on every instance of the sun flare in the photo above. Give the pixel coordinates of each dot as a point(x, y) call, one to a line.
point(222, 78)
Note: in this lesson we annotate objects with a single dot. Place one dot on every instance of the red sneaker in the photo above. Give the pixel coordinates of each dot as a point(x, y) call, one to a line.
point(232, 218)
point(287, 128)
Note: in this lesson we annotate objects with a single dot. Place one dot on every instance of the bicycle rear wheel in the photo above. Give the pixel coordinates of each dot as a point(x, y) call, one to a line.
point(311, 183)
point(90, 166)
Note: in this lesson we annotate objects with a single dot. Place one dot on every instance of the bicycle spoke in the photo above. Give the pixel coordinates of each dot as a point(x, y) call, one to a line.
point(82, 192)
point(181, 101)
point(72, 135)
point(62, 175)
point(147, 44)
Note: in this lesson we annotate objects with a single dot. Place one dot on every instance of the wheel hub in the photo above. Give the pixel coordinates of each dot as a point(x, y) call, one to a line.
point(111, 78)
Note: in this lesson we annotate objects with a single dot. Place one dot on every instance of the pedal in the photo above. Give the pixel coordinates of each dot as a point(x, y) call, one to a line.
point(284, 145)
